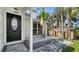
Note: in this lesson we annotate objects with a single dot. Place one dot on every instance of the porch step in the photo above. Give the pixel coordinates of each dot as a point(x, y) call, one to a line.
point(18, 47)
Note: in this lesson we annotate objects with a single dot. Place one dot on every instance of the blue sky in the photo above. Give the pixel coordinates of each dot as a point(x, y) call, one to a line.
point(47, 9)
point(50, 10)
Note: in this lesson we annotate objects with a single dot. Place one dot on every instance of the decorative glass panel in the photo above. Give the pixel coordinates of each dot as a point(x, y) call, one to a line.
point(14, 23)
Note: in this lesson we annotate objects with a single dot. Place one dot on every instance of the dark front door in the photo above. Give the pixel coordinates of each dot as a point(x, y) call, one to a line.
point(13, 27)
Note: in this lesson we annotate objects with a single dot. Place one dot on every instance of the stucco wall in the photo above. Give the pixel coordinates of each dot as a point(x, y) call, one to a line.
point(27, 28)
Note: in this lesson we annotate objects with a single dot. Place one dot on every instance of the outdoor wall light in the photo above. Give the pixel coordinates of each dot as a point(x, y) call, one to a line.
point(15, 10)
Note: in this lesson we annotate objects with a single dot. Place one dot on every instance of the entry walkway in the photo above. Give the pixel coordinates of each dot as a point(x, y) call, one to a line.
point(39, 38)
point(48, 44)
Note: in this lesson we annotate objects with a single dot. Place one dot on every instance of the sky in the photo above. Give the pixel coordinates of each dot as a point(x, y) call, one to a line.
point(47, 9)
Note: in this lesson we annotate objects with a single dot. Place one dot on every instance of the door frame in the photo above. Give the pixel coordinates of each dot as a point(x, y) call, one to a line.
point(5, 30)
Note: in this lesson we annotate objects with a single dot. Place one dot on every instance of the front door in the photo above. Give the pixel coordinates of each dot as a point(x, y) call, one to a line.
point(13, 27)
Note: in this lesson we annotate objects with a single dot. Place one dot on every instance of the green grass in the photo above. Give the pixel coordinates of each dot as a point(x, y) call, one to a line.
point(73, 47)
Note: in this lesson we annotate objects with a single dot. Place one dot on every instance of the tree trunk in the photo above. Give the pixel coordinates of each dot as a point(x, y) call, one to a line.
point(69, 33)
point(62, 26)
point(43, 31)
point(42, 25)
point(68, 26)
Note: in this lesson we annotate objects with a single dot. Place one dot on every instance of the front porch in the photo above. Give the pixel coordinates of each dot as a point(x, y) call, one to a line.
point(14, 27)
point(17, 47)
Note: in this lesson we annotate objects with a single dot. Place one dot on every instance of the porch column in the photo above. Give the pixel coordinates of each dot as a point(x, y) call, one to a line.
point(31, 29)
point(37, 28)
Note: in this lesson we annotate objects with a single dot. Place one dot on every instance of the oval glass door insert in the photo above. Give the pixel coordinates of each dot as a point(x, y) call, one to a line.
point(14, 23)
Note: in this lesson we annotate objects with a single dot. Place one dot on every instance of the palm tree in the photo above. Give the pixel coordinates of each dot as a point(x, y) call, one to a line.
point(60, 13)
point(71, 13)
point(42, 16)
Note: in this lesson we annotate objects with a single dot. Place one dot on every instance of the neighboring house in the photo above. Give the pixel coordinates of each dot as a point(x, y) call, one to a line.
point(36, 25)
point(37, 29)
point(14, 25)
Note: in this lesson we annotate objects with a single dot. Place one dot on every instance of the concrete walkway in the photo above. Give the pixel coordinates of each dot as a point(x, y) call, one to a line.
point(54, 45)
point(38, 38)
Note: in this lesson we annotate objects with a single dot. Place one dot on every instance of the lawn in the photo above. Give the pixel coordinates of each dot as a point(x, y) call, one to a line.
point(73, 47)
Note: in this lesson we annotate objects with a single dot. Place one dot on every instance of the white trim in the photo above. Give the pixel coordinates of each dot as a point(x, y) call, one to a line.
point(31, 32)
point(4, 25)
point(13, 42)
point(5, 28)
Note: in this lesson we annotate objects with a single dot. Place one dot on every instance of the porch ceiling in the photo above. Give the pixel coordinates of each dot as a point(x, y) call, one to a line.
point(24, 8)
